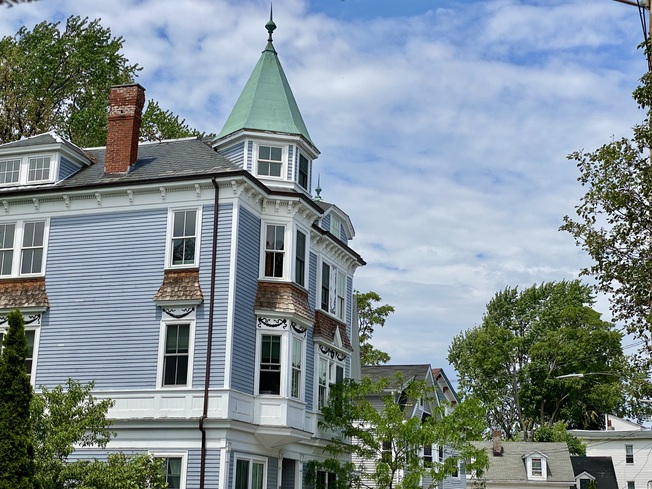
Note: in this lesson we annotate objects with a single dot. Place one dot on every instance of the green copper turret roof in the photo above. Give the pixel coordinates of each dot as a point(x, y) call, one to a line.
point(266, 102)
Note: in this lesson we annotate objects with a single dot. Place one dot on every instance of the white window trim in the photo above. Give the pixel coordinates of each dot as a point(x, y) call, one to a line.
point(251, 459)
point(18, 247)
point(336, 230)
point(285, 389)
point(544, 468)
point(284, 160)
point(37, 337)
point(184, 462)
point(334, 360)
point(168, 238)
point(161, 352)
point(298, 170)
point(24, 168)
point(335, 271)
point(288, 252)
point(306, 258)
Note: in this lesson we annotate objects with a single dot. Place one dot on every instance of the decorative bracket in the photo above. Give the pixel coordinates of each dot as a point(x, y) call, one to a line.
point(36, 203)
point(5, 204)
point(98, 197)
point(198, 190)
point(163, 192)
point(130, 194)
point(66, 200)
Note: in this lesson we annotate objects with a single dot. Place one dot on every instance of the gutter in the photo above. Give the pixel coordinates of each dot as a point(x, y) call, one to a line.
point(209, 343)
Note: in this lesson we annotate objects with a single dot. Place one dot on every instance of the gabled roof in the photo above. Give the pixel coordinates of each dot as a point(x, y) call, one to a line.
point(408, 372)
point(266, 102)
point(510, 466)
point(600, 468)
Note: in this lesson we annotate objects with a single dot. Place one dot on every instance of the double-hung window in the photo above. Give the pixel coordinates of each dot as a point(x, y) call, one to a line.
point(270, 365)
point(173, 466)
point(325, 480)
point(329, 373)
point(274, 250)
point(336, 227)
point(249, 473)
point(629, 454)
point(9, 171)
point(325, 286)
point(270, 161)
point(297, 361)
point(30, 336)
point(300, 259)
point(303, 171)
point(537, 467)
point(22, 248)
point(183, 248)
point(340, 293)
point(176, 355)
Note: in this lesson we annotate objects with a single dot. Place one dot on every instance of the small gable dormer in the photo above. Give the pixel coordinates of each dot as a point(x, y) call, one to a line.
point(536, 465)
point(265, 133)
point(43, 159)
point(336, 222)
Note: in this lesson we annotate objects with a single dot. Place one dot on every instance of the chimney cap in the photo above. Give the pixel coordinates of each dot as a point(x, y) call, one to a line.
point(125, 85)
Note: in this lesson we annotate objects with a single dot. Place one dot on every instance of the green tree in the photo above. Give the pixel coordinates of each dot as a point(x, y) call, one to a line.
point(614, 221)
point(528, 338)
point(16, 441)
point(69, 417)
point(558, 432)
point(370, 315)
point(54, 78)
point(377, 417)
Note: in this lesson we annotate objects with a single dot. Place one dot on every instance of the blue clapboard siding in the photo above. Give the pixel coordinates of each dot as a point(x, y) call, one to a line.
point(250, 157)
point(326, 222)
point(212, 474)
point(102, 325)
point(66, 168)
point(291, 163)
point(235, 154)
point(310, 345)
point(244, 319)
point(222, 274)
point(310, 370)
point(312, 281)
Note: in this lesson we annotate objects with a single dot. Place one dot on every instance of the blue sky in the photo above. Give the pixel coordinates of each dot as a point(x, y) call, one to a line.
point(444, 126)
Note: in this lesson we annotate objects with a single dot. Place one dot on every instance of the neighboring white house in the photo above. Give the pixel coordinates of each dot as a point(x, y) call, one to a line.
point(525, 464)
point(630, 447)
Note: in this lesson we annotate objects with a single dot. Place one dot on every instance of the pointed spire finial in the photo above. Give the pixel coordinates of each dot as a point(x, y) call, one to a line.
point(270, 26)
point(317, 197)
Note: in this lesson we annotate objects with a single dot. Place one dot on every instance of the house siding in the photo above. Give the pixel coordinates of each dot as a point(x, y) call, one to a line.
point(326, 222)
point(235, 154)
point(66, 168)
point(212, 473)
point(288, 473)
point(244, 322)
point(272, 473)
point(109, 337)
point(291, 163)
point(222, 275)
point(250, 157)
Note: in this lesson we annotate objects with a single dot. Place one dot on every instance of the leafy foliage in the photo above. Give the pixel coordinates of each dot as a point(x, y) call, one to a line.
point(389, 438)
point(59, 79)
point(558, 432)
point(16, 441)
point(528, 338)
point(69, 417)
point(614, 221)
point(370, 315)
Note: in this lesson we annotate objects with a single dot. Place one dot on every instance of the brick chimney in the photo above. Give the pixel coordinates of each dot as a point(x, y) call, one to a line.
point(125, 111)
point(497, 443)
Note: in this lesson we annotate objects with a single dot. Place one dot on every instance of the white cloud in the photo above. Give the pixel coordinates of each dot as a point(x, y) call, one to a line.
point(443, 135)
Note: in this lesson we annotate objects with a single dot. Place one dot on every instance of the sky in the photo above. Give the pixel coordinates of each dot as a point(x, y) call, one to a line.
point(444, 127)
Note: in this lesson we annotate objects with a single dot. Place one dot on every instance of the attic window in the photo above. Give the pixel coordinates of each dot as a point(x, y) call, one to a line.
point(9, 171)
point(39, 169)
point(336, 227)
point(537, 467)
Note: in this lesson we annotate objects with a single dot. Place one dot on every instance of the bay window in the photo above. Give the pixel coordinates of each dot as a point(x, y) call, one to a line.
point(270, 365)
point(280, 358)
point(329, 372)
point(270, 161)
point(300, 259)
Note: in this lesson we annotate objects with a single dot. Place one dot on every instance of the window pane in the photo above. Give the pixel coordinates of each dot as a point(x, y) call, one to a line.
point(276, 154)
point(173, 473)
point(270, 365)
point(263, 152)
point(241, 474)
point(257, 475)
point(274, 169)
point(7, 235)
point(191, 220)
point(29, 336)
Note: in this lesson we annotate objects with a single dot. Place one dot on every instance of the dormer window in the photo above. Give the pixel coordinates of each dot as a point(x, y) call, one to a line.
point(336, 227)
point(39, 169)
point(270, 161)
point(9, 171)
point(536, 466)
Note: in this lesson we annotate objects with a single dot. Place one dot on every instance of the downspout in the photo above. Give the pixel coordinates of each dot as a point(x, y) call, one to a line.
point(209, 343)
